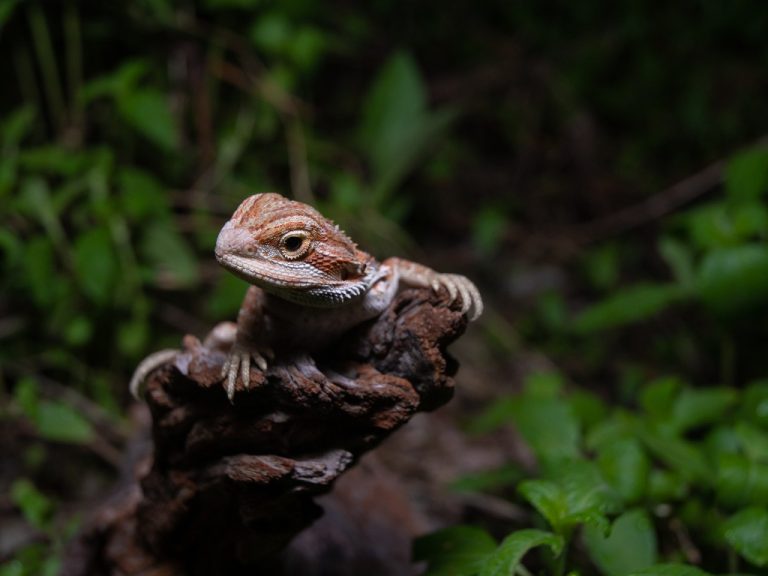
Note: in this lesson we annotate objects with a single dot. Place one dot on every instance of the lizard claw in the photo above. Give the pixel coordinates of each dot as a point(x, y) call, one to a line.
point(238, 363)
point(461, 288)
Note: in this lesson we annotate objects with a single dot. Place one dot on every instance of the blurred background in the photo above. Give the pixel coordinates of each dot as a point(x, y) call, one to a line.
point(599, 170)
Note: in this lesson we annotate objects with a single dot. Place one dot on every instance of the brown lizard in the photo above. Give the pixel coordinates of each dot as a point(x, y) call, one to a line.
point(309, 284)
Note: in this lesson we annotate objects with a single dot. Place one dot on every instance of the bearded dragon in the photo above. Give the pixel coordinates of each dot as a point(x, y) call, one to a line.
point(309, 285)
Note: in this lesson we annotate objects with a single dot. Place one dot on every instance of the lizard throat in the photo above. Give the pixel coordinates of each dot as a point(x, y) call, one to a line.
point(307, 287)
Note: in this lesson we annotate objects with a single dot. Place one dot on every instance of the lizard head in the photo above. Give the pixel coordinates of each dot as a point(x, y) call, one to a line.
point(289, 249)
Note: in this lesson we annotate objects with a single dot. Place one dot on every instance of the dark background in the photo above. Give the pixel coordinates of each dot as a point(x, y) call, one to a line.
point(596, 168)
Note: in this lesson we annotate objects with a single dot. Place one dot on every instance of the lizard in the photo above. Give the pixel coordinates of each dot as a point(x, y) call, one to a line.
point(309, 284)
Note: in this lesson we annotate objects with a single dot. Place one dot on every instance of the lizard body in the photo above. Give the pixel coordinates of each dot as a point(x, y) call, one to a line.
point(309, 284)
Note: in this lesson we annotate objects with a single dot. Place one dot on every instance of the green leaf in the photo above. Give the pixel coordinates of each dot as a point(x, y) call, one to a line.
point(545, 421)
point(96, 264)
point(27, 396)
point(173, 260)
point(587, 407)
point(753, 440)
point(141, 195)
point(396, 125)
point(684, 457)
point(148, 112)
point(679, 258)
point(578, 495)
point(7, 8)
point(696, 407)
point(754, 403)
point(133, 336)
point(741, 482)
point(272, 33)
point(671, 570)
point(116, 83)
point(488, 480)
point(54, 160)
point(747, 532)
point(17, 125)
point(455, 551)
point(39, 271)
point(665, 486)
point(508, 555)
point(602, 265)
point(548, 499)
point(734, 280)
point(227, 296)
point(658, 397)
point(625, 467)
point(630, 546)
point(488, 228)
point(36, 506)
point(61, 423)
point(746, 176)
point(627, 306)
point(78, 331)
point(307, 47)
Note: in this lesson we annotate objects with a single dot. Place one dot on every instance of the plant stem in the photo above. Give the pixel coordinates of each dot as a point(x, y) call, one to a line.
point(73, 39)
point(28, 87)
point(41, 38)
point(728, 360)
point(560, 561)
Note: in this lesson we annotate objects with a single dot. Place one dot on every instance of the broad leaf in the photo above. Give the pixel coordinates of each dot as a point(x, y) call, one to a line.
point(671, 570)
point(96, 264)
point(173, 260)
point(35, 505)
point(147, 110)
point(578, 495)
point(746, 176)
point(695, 407)
point(741, 482)
point(508, 555)
point(631, 544)
point(629, 305)
point(455, 551)
point(734, 280)
point(625, 467)
point(61, 423)
point(747, 532)
point(682, 456)
point(396, 124)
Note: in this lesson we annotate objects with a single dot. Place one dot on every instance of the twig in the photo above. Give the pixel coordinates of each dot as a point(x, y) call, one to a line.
point(297, 156)
point(653, 207)
point(692, 554)
point(41, 38)
point(659, 204)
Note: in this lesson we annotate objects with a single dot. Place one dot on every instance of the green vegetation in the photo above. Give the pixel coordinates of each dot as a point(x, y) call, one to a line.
point(502, 139)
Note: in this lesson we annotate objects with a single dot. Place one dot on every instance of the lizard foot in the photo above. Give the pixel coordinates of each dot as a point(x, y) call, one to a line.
point(238, 363)
point(460, 288)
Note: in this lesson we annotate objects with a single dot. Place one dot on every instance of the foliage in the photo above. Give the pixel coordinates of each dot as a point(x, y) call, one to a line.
point(690, 461)
point(128, 133)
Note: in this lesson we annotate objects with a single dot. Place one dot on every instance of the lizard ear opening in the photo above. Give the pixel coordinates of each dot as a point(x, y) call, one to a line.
point(295, 244)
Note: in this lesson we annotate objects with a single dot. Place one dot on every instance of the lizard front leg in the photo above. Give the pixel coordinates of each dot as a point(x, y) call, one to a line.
point(459, 287)
point(249, 342)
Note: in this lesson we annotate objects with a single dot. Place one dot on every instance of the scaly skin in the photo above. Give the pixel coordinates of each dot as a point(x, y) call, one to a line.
point(315, 284)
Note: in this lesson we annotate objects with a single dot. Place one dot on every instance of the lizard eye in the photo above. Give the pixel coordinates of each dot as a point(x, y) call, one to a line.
point(294, 244)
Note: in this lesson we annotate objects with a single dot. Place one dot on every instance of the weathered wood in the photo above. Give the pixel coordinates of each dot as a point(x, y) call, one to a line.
point(230, 485)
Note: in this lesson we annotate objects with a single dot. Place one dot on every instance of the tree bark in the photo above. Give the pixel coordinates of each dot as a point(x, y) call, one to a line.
point(230, 485)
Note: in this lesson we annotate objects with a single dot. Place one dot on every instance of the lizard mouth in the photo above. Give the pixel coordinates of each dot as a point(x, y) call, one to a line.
point(283, 280)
